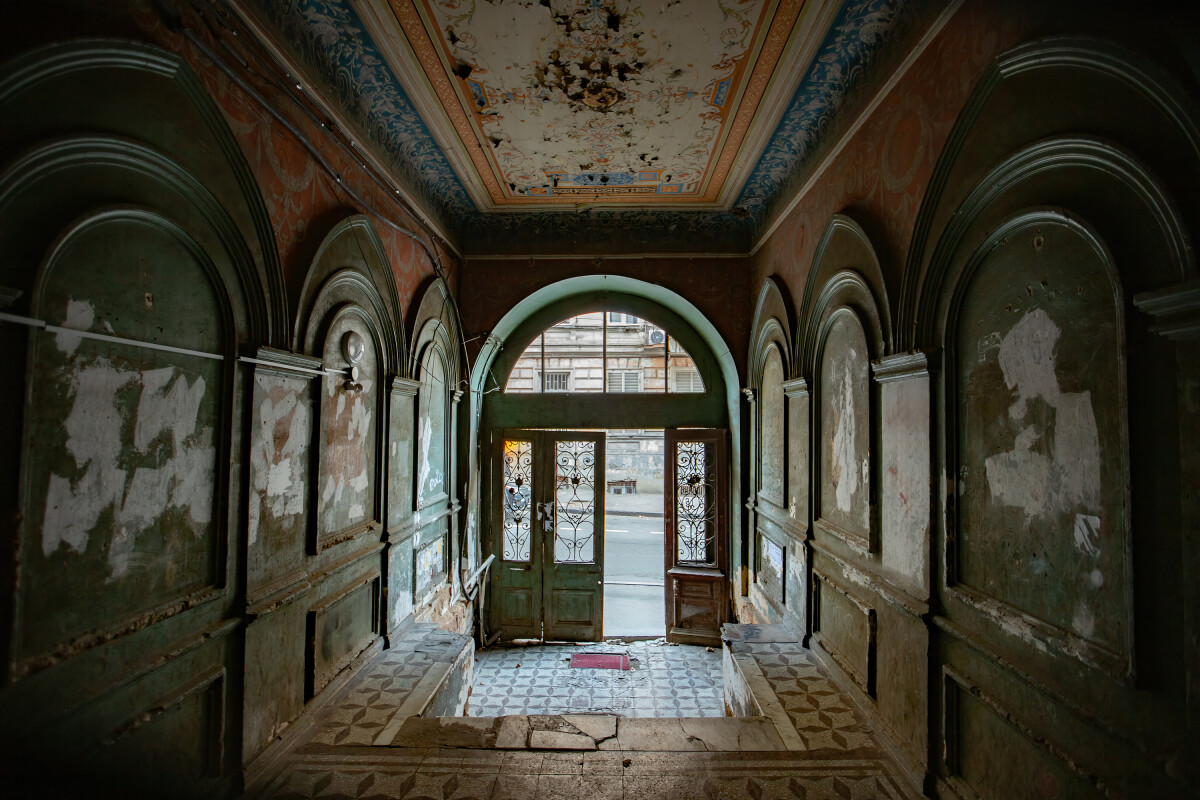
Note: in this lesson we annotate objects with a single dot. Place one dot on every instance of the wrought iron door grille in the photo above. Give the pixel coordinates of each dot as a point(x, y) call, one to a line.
point(518, 480)
point(695, 513)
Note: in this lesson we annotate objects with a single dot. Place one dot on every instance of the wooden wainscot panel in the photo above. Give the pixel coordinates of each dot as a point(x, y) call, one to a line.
point(844, 626)
point(339, 630)
point(281, 438)
point(990, 753)
point(429, 563)
point(797, 451)
point(274, 680)
point(400, 453)
point(770, 570)
point(175, 746)
point(699, 605)
point(400, 583)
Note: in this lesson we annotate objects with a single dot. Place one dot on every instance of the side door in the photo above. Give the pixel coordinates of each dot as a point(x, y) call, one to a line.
point(573, 521)
point(516, 610)
point(696, 517)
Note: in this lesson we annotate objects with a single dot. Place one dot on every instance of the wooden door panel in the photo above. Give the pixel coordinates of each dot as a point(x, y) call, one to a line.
point(517, 611)
point(574, 553)
point(697, 530)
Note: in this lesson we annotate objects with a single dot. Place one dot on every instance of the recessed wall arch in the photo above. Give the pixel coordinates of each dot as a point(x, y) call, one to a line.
point(145, 239)
point(1136, 147)
point(350, 265)
point(770, 365)
point(774, 320)
point(215, 181)
point(845, 272)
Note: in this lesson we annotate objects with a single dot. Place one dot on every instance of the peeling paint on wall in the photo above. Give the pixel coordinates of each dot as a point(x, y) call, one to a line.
point(164, 430)
point(348, 433)
point(771, 407)
point(905, 481)
point(277, 458)
point(1055, 468)
point(845, 448)
point(431, 461)
point(843, 468)
point(1042, 471)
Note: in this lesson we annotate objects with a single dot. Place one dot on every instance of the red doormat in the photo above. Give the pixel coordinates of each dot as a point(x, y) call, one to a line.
point(600, 661)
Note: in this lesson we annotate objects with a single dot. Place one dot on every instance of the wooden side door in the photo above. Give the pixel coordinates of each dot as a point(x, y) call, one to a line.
point(572, 514)
point(696, 498)
point(516, 610)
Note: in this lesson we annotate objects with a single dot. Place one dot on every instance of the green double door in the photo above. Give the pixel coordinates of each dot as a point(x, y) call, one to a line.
point(548, 535)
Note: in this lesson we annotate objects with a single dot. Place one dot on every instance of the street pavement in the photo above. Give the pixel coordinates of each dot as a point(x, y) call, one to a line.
point(634, 603)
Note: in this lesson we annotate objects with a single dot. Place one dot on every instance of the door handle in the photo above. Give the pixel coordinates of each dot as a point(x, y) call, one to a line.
point(546, 515)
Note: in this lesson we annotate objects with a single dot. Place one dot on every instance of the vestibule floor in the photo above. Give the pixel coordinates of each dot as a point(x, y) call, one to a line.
point(663, 681)
point(830, 752)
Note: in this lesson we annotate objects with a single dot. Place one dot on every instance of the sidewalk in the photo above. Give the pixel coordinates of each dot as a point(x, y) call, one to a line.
point(633, 505)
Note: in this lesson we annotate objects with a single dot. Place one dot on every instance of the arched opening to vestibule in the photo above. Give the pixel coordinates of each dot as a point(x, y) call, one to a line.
point(570, 379)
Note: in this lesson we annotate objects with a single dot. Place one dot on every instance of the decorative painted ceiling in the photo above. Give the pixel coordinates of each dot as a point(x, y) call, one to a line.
point(629, 102)
point(600, 126)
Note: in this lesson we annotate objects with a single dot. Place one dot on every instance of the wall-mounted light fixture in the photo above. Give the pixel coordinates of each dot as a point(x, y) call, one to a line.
point(353, 348)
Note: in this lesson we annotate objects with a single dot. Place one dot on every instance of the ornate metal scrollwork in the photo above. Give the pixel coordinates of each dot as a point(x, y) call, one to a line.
point(575, 503)
point(695, 521)
point(518, 480)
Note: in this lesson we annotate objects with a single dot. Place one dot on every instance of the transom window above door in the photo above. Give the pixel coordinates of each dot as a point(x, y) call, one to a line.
point(604, 351)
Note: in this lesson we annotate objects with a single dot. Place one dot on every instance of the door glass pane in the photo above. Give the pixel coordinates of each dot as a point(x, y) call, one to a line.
point(695, 523)
point(575, 503)
point(518, 475)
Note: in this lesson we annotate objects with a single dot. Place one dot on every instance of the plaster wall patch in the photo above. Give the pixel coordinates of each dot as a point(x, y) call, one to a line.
point(1054, 469)
point(80, 316)
point(844, 468)
point(164, 427)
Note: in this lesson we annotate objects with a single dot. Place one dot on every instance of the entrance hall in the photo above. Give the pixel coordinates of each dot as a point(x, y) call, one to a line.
point(831, 364)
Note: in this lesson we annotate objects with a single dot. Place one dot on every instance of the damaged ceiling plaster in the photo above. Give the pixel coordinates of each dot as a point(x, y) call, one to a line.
point(673, 125)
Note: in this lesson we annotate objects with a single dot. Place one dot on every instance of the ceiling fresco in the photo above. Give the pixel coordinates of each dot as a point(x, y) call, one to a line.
point(635, 103)
point(584, 125)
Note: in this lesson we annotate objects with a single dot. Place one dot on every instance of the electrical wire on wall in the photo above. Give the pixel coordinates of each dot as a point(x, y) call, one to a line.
point(222, 20)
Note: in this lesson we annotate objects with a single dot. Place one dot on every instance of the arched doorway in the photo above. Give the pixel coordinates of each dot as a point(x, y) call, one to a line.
point(584, 370)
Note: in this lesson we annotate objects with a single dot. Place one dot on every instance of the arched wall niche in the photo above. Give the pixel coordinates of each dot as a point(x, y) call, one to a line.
point(845, 271)
point(353, 251)
point(1148, 116)
point(149, 231)
point(772, 471)
point(435, 541)
point(191, 141)
point(845, 331)
point(1042, 269)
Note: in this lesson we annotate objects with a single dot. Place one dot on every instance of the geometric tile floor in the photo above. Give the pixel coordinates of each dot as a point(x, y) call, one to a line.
point(663, 681)
point(420, 774)
point(840, 759)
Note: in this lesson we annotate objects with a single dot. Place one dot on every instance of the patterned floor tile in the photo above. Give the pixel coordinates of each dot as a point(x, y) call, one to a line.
point(663, 680)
